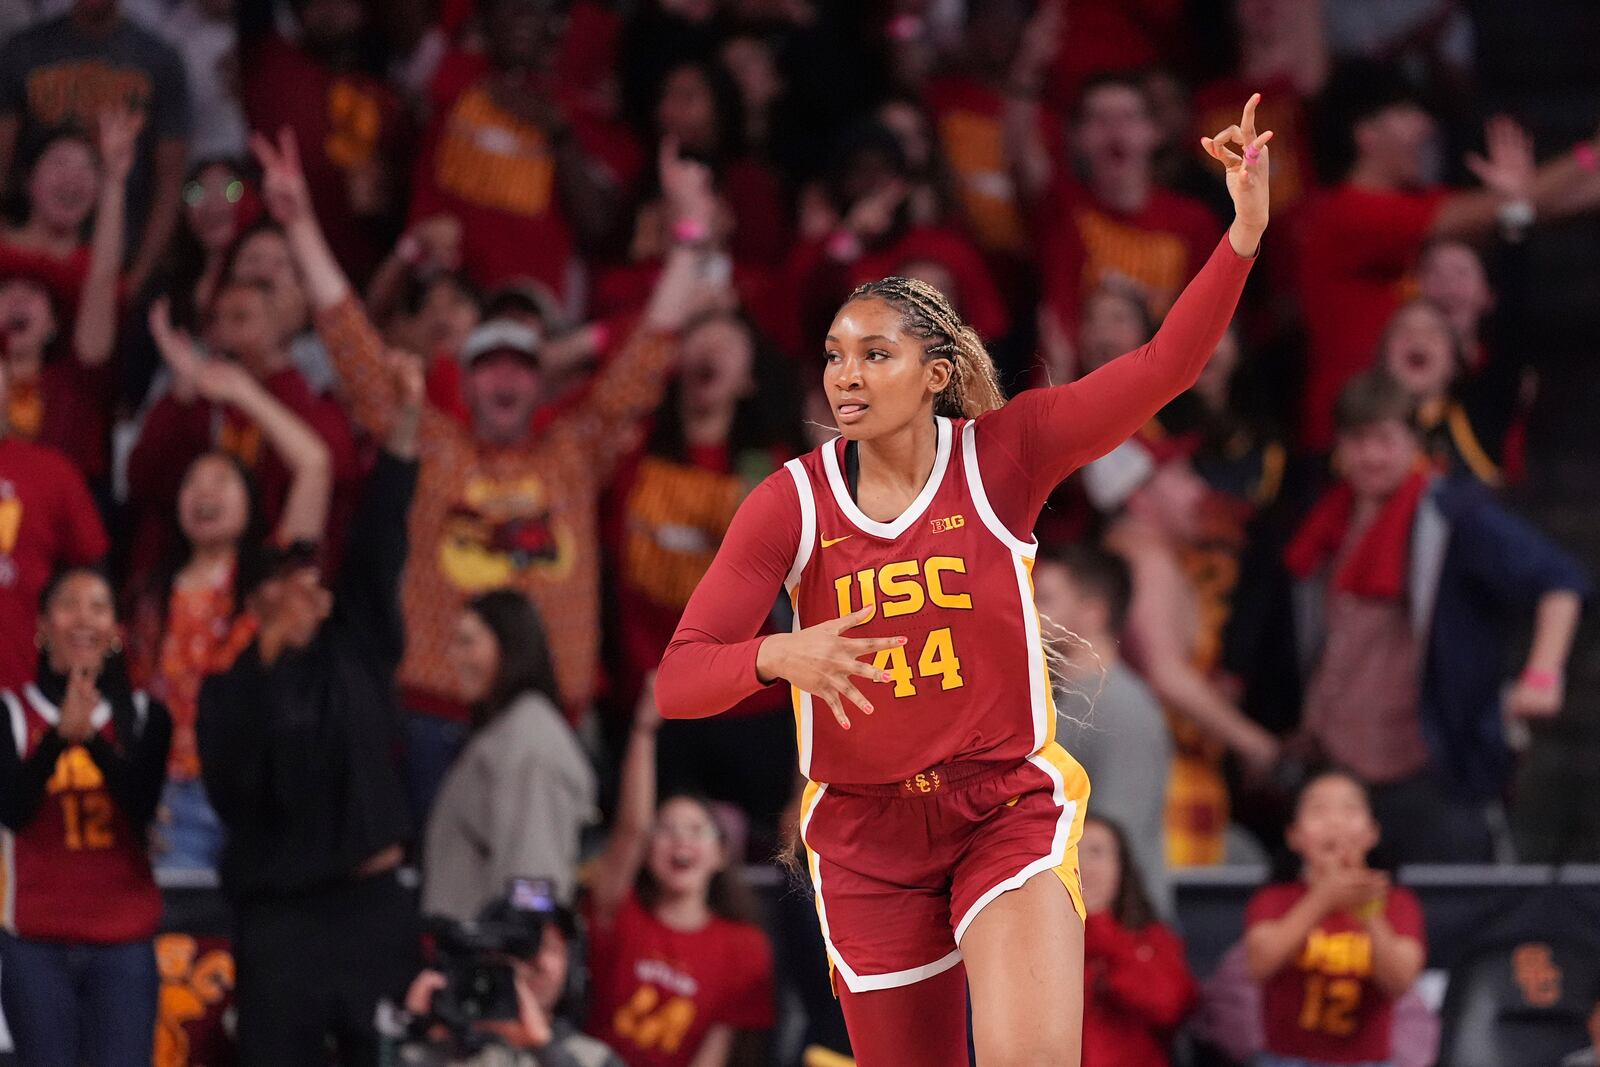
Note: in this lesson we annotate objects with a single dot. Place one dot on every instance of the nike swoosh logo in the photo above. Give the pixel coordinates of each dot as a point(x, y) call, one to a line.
point(829, 543)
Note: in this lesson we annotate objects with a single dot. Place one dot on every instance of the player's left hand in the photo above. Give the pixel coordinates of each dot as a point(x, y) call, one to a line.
point(1247, 169)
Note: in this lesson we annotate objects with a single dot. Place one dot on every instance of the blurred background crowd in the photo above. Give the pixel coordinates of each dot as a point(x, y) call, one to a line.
point(379, 380)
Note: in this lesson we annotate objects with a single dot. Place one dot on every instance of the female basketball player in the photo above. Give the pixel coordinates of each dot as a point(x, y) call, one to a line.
point(930, 812)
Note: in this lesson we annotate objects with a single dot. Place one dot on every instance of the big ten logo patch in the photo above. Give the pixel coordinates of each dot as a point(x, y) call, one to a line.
point(500, 530)
point(1537, 975)
point(197, 979)
point(953, 522)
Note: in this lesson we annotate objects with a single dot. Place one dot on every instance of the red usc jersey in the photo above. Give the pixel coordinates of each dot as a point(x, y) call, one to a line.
point(657, 991)
point(78, 872)
point(970, 682)
point(1323, 1004)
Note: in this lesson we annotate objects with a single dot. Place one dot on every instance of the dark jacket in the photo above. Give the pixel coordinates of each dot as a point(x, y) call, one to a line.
point(1475, 571)
point(298, 757)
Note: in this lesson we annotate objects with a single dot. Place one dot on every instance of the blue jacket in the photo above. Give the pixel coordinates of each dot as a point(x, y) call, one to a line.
point(1475, 569)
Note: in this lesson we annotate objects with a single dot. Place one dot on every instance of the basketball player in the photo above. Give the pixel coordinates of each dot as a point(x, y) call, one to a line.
point(941, 819)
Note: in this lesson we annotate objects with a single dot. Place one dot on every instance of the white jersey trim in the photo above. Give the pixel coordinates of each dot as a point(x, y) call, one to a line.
point(802, 557)
point(969, 455)
point(1022, 553)
point(52, 714)
point(1055, 858)
point(861, 983)
point(913, 512)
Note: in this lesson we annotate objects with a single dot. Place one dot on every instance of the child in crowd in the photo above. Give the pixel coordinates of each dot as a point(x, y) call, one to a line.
point(1336, 948)
point(1137, 986)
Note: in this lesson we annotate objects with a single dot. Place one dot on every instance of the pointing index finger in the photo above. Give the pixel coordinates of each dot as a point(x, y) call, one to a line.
point(1248, 122)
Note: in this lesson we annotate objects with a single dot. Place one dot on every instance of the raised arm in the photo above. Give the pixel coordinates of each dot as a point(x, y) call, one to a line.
point(354, 344)
point(1042, 436)
point(305, 511)
point(614, 870)
point(95, 330)
point(630, 386)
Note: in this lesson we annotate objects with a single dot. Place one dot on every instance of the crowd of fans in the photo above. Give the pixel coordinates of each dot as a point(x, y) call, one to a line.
point(379, 379)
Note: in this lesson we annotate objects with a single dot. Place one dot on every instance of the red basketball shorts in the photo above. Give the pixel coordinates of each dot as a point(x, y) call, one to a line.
point(901, 871)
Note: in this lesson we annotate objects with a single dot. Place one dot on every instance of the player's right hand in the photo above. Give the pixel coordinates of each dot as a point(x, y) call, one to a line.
point(821, 660)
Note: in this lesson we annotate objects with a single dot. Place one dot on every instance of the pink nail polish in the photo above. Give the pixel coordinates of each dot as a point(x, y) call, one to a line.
point(901, 640)
point(868, 709)
point(846, 724)
point(1252, 154)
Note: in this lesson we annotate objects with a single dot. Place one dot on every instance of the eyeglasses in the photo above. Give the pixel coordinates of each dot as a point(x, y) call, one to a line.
point(196, 191)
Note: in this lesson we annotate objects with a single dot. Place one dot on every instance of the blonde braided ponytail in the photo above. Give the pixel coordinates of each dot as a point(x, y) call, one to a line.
point(974, 385)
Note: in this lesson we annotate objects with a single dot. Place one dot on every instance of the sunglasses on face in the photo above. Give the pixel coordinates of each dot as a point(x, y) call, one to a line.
point(195, 192)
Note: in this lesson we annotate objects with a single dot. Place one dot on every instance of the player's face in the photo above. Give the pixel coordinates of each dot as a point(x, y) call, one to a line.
point(502, 389)
point(685, 849)
point(79, 625)
point(213, 504)
point(1099, 867)
point(1112, 324)
point(718, 366)
point(1333, 825)
point(1452, 276)
point(474, 656)
point(1377, 459)
point(1419, 349)
point(877, 377)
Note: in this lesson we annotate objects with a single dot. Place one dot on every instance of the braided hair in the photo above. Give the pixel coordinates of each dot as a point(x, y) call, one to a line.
point(926, 315)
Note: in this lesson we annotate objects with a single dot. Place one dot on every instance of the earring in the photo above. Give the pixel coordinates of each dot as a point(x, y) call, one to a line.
point(116, 645)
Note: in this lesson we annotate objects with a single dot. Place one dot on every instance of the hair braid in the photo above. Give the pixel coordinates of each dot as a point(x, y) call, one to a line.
point(974, 384)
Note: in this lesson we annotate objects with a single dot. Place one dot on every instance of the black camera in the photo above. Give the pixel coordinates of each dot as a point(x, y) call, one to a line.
point(476, 957)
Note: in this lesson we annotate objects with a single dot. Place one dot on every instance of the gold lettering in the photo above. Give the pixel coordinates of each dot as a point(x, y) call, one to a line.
point(935, 568)
point(902, 595)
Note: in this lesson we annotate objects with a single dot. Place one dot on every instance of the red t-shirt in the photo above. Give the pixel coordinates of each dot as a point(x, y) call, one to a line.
point(345, 121)
point(656, 990)
point(68, 407)
point(1324, 1005)
point(969, 118)
point(47, 521)
point(1087, 243)
point(496, 173)
point(1356, 248)
point(664, 521)
point(1105, 35)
